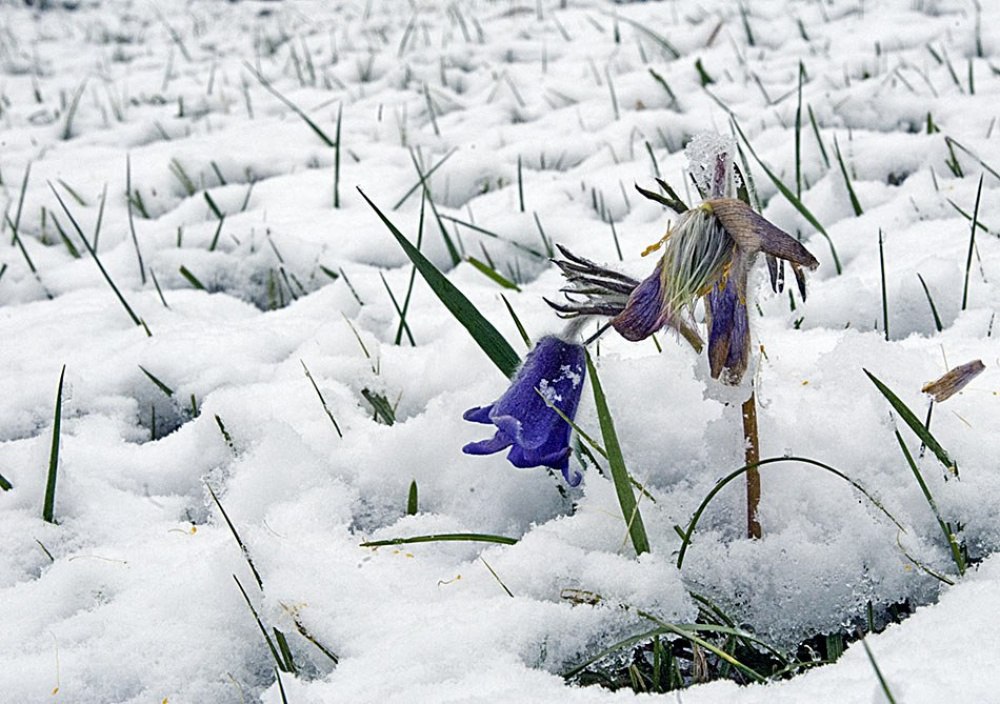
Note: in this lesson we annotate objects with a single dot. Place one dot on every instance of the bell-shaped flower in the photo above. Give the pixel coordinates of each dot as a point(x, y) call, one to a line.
point(552, 375)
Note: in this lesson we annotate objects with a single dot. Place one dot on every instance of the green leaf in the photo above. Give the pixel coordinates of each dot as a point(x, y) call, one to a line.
point(412, 505)
point(915, 425)
point(48, 510)
point(482, 331)
point(956, 551)
point(444, 538)
point(619, 473)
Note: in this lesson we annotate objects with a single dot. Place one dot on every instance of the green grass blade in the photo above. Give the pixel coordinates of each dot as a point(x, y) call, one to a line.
point(48, 509)
point(878, 673)
point(284, 650)
point(159, 384)
point(412, 500)
point(910, 418)
point(493, 274)
point(490, 233)
point(260, 624)
point(322, 400)
point(798, 123)
point(619, 473)
point(482, 330)
point(413, 272)
point(236, 535)
point(819, 140)
point(380, 404)
point(423, 178)
point(927, 292)
point(972, 244)
point(956, 551)
point(686, 534)
point(443, 538)
point(191, 278)
point(281, 687)
point(885, 300)
point(847, 179)
point(131, 220)
point(290, 105)
point(336, 159)
point(399, 311)
point(517, 322)
point(93, 254)
point(658, 38)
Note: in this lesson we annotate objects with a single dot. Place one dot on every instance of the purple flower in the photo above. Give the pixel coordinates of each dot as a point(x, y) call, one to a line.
point(709, 253)
point(553, 373)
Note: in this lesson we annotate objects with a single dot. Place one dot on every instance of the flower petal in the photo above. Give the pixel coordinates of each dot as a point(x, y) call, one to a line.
point(645, 311)
point(754, 234)
point(479, 414)
point(728, 333)
point(500, 441)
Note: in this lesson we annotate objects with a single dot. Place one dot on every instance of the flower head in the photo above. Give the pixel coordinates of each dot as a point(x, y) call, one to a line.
point(709, 254)
point(553, 373)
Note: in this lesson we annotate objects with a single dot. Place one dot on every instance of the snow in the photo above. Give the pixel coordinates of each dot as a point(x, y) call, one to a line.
point(130, 596)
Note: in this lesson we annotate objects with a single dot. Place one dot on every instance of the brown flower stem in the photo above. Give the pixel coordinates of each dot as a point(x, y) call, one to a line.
point(752, 454)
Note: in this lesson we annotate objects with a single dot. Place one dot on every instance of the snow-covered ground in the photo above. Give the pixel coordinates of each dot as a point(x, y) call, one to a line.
point(536, 116)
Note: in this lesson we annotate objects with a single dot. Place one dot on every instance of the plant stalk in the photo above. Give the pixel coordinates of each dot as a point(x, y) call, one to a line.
point(751, 448)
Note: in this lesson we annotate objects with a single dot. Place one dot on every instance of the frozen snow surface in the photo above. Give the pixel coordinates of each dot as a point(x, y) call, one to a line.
point(533, 116)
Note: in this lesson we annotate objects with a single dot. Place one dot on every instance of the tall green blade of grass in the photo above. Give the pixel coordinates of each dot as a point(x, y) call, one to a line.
point(517, 322)
point(423, 178)
point(456, 258)
point(336, 160)
point(322, 400)
point(878, 673)
point(278, 659)
point(413, 273)
point(492, 274)
point(819, 140)
point(910, 418)
point(934, 312)
point(658, 38)
point(131, 220)
point(798, 122)
point(619, 473)
point(686, 534)
point(290, 105)
point(956, 550)
point(787, 193)
point(847, 179)
point(885, 300)
point(481, 329)
point(48, 509)
point(159, 384)
point(443, 538)
point(972, 244)
point(107, 277)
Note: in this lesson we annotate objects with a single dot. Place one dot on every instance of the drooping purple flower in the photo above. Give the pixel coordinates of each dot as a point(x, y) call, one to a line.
point(552, 373)
point(709, 254)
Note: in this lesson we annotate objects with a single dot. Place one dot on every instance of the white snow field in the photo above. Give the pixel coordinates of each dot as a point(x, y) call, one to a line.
point(196, 144)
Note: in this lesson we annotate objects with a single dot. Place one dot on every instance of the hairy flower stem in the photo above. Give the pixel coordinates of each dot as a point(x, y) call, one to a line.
point(751, 447)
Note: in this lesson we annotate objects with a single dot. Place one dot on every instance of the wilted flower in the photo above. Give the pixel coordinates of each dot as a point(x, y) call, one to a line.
point(709, 253)
point(553, 373)
point(954, 381)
